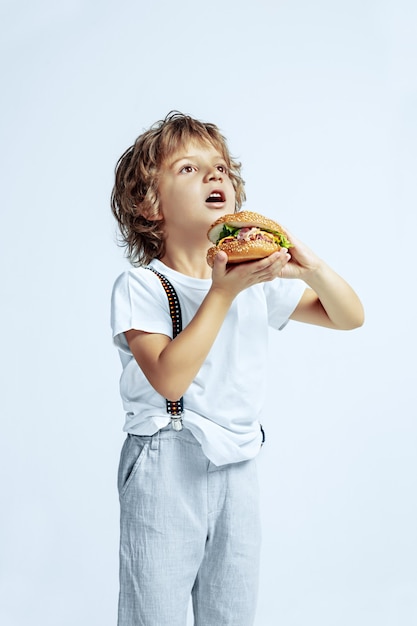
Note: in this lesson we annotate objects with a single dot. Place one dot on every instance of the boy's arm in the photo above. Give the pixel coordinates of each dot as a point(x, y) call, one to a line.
point(171, 365)
point(330, 301)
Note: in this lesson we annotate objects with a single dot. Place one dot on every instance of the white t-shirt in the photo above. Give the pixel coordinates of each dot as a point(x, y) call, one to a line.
point(223, 404)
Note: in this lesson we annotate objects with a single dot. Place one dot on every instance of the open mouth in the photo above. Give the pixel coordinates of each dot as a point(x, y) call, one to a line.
point(216, 196)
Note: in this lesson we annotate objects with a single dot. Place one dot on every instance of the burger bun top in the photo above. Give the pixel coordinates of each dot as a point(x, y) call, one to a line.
point(241, 220)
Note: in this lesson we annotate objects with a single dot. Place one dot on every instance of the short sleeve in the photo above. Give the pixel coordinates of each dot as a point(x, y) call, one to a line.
point(282, 296)
point(138, 302)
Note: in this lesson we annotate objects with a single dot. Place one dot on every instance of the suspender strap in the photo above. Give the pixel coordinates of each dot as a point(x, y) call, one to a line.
point(174, 305)
point(174, 408)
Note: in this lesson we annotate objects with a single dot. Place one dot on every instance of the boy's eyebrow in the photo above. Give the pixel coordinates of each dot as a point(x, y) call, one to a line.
point(193, 156)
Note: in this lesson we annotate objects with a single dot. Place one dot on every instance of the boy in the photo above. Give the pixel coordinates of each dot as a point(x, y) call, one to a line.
point(189, 497)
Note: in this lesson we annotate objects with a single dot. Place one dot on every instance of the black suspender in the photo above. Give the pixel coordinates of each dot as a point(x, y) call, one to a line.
point(174, 407)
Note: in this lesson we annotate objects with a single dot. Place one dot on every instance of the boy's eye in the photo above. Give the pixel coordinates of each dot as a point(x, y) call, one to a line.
point(187, 169)
point(223, 169)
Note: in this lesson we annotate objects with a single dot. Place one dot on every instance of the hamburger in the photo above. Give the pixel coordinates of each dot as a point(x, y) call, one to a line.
point(245, 236)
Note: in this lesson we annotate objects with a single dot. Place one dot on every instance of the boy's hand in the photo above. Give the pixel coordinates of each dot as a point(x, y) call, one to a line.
point(235, 278)
point(304, 261)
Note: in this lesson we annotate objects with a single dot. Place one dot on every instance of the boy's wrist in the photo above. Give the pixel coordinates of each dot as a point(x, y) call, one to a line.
point(223, 296)
point(316, 275)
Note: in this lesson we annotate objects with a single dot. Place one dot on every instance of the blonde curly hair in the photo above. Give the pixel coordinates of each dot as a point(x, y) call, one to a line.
point(134, 199)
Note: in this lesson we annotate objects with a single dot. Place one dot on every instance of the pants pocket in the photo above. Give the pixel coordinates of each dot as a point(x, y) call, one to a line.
point(132, 455)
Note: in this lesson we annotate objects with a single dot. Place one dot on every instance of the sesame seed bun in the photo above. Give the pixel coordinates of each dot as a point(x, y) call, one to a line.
point(242, 251)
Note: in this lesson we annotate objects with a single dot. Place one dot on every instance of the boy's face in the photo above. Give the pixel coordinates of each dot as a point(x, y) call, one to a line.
point(194, 189)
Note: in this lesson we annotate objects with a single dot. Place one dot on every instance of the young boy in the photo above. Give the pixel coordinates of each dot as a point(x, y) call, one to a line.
point(189, 494)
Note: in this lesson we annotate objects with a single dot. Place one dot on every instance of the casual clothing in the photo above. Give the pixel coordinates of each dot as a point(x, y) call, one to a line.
point(224, 402)
point(189, 499)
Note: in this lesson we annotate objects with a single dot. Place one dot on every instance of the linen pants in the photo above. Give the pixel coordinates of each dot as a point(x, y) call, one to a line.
point(188, 528)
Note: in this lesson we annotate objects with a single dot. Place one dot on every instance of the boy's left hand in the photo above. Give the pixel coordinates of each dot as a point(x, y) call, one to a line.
point(303, 260)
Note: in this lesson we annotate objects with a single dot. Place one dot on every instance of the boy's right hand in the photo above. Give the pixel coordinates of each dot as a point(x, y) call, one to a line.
point(235, 278)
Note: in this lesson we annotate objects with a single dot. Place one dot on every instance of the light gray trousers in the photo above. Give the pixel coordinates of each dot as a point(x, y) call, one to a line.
point(187, 528)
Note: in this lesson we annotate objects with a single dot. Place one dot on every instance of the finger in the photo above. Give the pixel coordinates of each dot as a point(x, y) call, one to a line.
point(291, 237)
point(221, 258)
point(281, 257)
point(220, 262)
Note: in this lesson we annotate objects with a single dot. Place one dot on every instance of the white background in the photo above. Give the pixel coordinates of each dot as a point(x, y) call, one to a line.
point(318, 100)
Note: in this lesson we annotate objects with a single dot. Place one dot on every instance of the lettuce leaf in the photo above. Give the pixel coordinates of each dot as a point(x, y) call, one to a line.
point(231, 231)
point(282, 240)
point(228, 231)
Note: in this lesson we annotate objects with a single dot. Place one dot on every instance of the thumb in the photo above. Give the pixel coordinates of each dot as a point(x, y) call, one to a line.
point(220, 261)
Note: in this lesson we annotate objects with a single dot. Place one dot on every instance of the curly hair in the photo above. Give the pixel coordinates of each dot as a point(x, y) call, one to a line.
point(134, 199)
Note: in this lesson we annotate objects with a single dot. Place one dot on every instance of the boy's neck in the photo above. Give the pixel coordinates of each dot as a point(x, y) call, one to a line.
point(190, 263)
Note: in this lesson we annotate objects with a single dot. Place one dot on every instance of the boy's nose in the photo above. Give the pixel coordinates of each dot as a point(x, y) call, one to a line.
point(214, 174)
